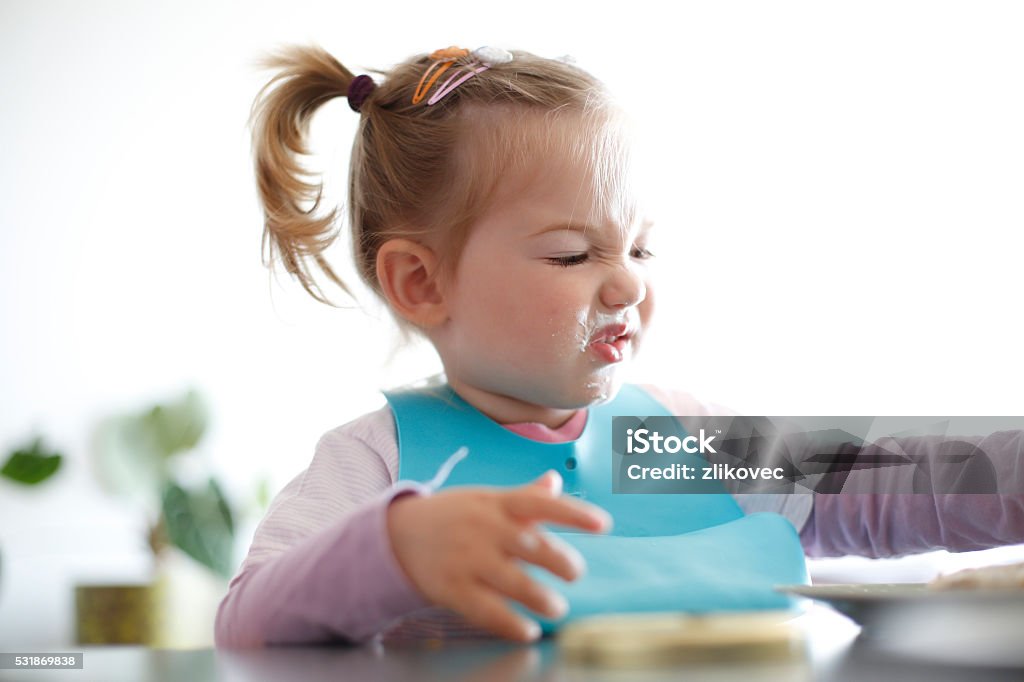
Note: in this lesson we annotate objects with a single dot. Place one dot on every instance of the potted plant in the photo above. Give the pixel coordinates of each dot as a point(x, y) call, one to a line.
point(152, 458)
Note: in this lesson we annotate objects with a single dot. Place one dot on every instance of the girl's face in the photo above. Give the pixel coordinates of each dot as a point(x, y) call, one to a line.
point(549, 300)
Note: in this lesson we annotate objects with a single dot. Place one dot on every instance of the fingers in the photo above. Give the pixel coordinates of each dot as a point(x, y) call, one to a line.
point(550, 481)
point(487, 609)
point(546, 551)
point(529, 504)
point(512, 581)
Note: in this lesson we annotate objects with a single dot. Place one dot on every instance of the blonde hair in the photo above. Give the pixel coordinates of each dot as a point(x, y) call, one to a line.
point(418, 171)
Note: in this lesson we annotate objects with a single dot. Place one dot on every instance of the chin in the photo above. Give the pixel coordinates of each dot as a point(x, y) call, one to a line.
point(601, 391)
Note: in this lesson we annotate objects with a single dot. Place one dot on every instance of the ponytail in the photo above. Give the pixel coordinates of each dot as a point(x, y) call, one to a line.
point(306, 78)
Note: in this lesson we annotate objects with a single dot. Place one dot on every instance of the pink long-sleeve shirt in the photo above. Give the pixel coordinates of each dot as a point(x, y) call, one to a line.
point(321, 567)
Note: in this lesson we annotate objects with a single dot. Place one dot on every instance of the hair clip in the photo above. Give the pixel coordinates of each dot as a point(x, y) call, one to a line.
point(467, 72)
point(483, 59)
point(450, 53)
point(492, 56)
point(443, 59)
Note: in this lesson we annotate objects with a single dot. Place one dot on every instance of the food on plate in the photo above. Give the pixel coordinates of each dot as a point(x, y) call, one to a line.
point(1006, 577)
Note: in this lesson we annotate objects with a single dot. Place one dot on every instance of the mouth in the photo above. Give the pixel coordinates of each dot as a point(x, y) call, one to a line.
point(609, 342)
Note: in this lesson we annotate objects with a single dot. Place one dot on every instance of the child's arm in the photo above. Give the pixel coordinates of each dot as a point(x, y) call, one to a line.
point(886, 523)
point(461, 549)
point(893, 525)
point(342, 583)
point(320, 567)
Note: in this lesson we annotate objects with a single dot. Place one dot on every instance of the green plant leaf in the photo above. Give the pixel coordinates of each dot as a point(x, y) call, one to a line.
point(200, 523)
point(127, 464)
point(176, 426)
point(133, 451)
point(31, 464)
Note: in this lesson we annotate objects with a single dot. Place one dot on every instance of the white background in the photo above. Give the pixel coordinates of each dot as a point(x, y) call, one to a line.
point(838, 191)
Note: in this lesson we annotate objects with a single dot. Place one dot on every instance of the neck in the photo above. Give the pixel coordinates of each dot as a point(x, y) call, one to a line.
point(507, 410)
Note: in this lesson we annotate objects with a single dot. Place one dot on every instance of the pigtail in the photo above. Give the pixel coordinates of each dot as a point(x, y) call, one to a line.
point(307, 77)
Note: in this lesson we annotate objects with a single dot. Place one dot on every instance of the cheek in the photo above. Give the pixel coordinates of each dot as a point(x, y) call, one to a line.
point(549, 321)
point(646, 307)
point(516, 315)
point(487, 295)
point(554, 323)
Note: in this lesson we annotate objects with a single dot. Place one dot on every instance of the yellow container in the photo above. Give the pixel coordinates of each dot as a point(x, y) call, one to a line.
point(116, 614)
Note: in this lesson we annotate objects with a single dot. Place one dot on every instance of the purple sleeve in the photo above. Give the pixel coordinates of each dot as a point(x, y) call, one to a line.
point(887, 524)
point(340, 584)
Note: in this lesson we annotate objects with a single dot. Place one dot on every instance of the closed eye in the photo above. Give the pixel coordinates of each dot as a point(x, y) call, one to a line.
point(637, 252)
point(569, 261)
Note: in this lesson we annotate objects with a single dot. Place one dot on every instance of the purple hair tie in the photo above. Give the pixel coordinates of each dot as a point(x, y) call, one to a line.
point(358, 90)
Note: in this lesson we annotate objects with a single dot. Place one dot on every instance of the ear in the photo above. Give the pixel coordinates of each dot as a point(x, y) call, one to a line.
point(408, 276)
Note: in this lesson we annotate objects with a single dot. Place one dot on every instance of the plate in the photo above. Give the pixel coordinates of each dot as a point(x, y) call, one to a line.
point(964, 626)
point(866, 603)
point(863, 602)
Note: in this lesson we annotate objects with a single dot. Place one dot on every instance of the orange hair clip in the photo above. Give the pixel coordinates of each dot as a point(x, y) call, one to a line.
point(451, 53)
point(443, 59)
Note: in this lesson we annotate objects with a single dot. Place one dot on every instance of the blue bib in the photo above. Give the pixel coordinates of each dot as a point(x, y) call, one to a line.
point(692, 552)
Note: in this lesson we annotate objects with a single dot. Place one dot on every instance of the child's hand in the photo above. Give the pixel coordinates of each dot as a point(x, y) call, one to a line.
point(461, 549)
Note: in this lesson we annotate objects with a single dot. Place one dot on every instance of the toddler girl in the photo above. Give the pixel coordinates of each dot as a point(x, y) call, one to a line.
point(490, 208)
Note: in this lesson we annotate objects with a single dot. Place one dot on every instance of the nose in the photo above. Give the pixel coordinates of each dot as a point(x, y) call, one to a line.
point(624, 287)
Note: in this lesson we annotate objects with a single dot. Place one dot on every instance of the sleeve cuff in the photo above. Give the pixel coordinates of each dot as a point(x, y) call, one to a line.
point(398, 595)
